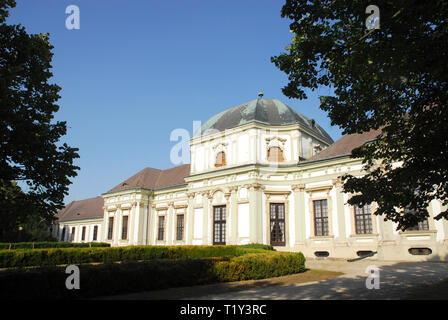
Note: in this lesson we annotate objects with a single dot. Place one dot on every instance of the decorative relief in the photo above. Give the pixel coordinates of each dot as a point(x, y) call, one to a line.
point(275, 142)
point(254, 186)
point(324, 188)
point(298, 187)
point(284, 193)
point(220, 147)
point(337, 182)
point(190, 195)
point(181, 206)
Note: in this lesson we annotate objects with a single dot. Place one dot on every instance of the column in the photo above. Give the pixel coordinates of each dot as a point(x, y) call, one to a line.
point(189, 216)
point(117, 224)
point(170, 223)
point(255, 213)
point(233, 216)
point(152, 225)
point(227, 196)
point(206, 217)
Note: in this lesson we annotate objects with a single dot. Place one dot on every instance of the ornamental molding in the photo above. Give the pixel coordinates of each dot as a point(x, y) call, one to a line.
point(324, 188)
point(255, 186)
point(298, 187)
point(190, 195)
point(221, 146)
point(337, 182)
point(270, 193)
point(275, 142)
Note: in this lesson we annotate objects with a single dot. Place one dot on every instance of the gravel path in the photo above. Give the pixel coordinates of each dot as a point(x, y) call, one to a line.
point(395, 280)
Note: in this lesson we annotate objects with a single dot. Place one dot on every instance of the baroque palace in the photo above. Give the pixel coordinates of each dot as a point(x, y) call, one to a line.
point(260, 172)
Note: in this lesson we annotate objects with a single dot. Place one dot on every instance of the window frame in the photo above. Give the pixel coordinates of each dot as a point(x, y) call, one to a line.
point(221, 224)
point(363, 216)
point(180, 229)
point(161, 229)
point(110, 228)
point(325, 220)
point(73, 234)
point(222, 161)
point(83, 233)
point(124, 227)
point(280, 153)
point(278, 220)
point(95, 233)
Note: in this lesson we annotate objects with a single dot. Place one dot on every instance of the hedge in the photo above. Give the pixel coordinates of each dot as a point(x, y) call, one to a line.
point(49, 244)
point(62, 256)
point(119, 278)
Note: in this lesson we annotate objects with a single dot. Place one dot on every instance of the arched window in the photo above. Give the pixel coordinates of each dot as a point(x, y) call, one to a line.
point(275, 154)
point(220, 159)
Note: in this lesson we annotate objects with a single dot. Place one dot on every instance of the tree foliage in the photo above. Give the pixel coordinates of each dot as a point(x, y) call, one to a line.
point(395, 79)
point(35, 166)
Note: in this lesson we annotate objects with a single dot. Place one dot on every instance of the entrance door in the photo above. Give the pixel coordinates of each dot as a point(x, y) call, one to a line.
point(219, 225)
point(277, 225)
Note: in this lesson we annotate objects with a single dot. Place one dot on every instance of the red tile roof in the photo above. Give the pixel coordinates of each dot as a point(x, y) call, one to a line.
point(82, 209)
point(150, 178)
point(344, 145)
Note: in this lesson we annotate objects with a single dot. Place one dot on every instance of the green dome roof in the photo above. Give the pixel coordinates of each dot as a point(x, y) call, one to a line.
point(266, 111)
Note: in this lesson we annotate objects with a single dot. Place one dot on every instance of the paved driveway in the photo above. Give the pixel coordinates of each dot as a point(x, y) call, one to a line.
point(395, 280)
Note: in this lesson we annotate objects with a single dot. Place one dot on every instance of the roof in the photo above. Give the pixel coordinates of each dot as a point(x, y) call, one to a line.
point(344, 145)
point(150, 178)
point(82, 209)
point(267, 111)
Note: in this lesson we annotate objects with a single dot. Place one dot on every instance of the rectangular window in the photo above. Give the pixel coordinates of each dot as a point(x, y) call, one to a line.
point(73, 234)
point(124, 228)
point(110, 229)
point(277, 224)
point(95, 233)
point(363, 220)
point(161, 229)
point(180, 227)
point(63, 234)
point(219, 225)
point(421, 226)
point(83, 234)
point(320, 218)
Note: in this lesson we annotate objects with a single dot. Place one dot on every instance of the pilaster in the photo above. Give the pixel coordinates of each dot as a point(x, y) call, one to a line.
point(299, 213)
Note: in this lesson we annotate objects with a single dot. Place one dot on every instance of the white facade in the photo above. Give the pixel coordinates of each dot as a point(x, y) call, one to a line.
point(251, 190)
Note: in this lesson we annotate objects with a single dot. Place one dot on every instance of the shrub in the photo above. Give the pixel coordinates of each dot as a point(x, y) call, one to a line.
point(259, 246)
point(116, 278)
point(49, 244)
point(260, 266)
point(60, 256)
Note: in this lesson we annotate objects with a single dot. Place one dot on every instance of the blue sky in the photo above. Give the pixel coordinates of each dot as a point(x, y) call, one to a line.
point(138, 69)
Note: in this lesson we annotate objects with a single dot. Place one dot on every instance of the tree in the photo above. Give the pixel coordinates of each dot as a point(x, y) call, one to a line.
point(395, 79)
point(34, 166)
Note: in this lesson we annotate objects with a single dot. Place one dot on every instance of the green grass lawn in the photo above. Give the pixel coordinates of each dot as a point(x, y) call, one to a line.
point(310, 275)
